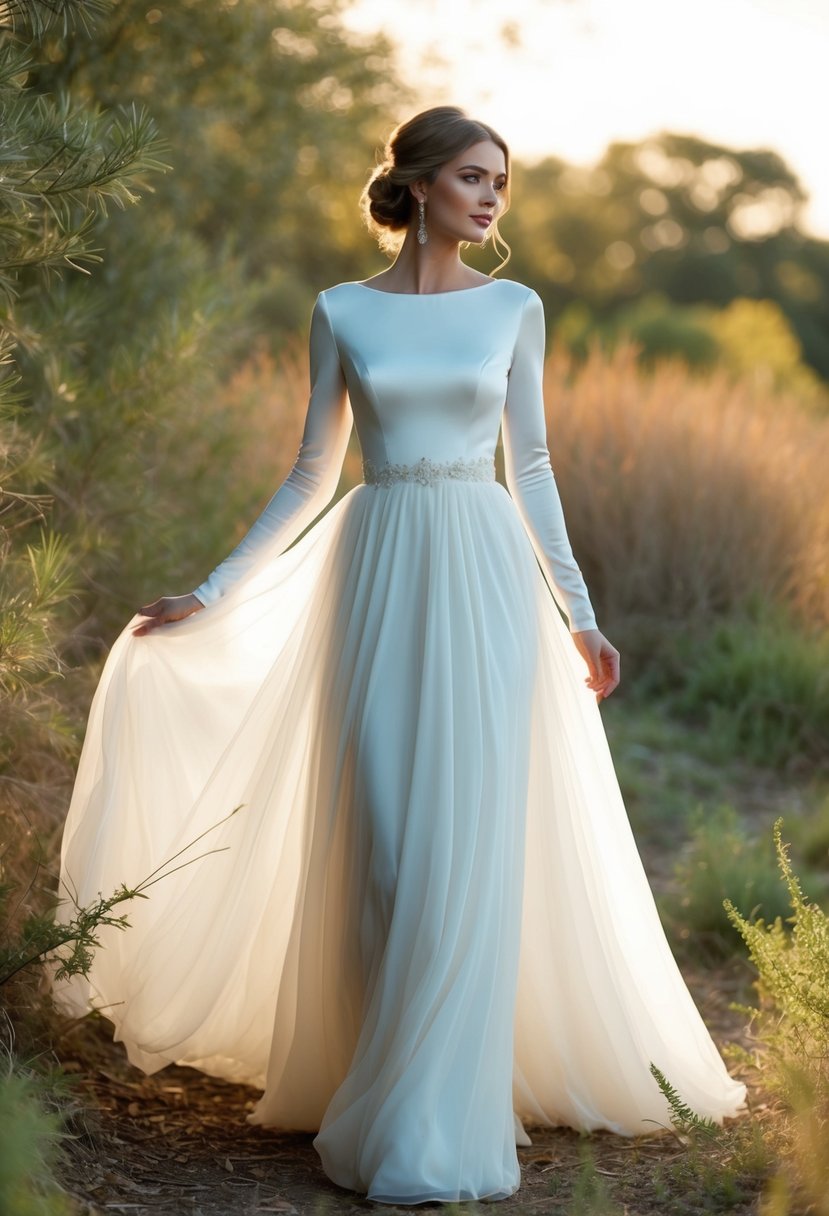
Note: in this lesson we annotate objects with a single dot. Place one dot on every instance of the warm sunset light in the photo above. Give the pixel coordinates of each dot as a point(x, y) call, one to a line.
point(567, 77)
point(414, 631)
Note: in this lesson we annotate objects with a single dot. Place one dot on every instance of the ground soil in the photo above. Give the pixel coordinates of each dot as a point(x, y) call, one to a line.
point(178, 1142)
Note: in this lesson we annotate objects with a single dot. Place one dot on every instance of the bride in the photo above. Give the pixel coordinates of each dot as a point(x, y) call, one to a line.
point(423, 921)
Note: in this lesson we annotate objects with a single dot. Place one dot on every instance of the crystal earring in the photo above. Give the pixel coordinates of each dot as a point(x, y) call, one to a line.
point(422, 235)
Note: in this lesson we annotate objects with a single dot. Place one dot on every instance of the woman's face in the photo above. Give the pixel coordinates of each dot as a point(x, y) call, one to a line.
point(467, 194)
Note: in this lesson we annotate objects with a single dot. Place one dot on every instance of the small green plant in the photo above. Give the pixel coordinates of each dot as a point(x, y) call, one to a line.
point(793, 967)
point(43, 936)
point(791, 1027)
point(687, 1124)
point(590, 1195)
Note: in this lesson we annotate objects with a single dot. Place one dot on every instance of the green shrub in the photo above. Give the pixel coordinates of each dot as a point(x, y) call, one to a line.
point(664, 329)
point(758, 687)
point(793, 967)
point(791, 1026)
point(720, 862)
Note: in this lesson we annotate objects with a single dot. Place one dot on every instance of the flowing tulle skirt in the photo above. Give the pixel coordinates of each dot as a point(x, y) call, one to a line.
point(428, 914)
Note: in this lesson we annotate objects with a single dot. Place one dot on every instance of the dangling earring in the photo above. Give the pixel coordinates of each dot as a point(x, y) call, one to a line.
point(422, 235)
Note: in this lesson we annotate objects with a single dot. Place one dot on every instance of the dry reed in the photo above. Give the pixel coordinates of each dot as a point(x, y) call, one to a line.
point(689, 495)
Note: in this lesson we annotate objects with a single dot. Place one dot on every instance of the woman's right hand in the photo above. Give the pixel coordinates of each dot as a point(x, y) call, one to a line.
point(167, 608)
point(602, 661)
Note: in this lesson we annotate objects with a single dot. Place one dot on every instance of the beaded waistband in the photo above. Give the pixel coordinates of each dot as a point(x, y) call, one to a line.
point(427, 471)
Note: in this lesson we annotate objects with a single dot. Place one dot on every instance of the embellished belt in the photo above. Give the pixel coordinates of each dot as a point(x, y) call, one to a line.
point(427, 472)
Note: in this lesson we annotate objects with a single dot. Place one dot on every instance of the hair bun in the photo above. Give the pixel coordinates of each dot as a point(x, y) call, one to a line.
point(389, 202)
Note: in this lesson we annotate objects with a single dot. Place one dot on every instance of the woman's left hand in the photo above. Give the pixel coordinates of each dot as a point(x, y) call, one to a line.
point(602, 661)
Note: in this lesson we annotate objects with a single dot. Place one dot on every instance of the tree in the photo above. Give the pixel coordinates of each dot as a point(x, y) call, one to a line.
point(62, 166)
point(272, 109)
point(673, 214)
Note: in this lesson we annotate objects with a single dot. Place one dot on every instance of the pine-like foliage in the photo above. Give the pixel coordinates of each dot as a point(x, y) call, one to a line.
point(60, 165)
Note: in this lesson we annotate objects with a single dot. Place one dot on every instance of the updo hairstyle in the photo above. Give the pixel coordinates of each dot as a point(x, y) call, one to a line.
point(417, 149)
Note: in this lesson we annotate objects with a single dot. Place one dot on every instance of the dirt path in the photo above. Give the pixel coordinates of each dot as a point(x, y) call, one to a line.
point(178, 1143)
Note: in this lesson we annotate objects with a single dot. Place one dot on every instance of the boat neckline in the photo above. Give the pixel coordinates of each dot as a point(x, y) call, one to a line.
point(417, 295)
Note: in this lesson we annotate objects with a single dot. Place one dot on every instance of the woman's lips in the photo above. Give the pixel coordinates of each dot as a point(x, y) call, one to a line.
point(483, 220)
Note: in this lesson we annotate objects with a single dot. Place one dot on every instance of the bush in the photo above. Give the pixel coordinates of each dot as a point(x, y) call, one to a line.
point(719, 862)
point(757, 686)
point(762, 690)
point(791, 1026)
point(663, 328)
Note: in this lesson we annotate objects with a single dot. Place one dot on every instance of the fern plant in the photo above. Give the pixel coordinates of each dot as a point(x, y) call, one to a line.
point(687, 1124)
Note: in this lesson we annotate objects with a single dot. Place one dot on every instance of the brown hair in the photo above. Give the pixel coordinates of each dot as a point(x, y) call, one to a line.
point(417, 149)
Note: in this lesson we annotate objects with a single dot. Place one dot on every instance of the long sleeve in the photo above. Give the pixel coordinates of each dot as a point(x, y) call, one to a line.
point(529, 474)
point(313, 479)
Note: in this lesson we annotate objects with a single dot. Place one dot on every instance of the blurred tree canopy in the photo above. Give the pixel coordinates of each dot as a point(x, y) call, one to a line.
point(272, 109)
point(675, 217)
point(268, 106)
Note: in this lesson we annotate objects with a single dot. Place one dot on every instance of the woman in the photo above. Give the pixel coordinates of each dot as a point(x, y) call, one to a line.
point(428, 920)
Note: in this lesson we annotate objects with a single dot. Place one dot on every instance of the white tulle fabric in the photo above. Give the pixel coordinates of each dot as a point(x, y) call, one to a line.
point(428, 920)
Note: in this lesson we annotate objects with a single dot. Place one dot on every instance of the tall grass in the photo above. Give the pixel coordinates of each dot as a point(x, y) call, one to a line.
point(688, 496)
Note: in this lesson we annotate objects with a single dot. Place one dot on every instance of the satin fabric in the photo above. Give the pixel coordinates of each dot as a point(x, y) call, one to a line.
point(428, 922)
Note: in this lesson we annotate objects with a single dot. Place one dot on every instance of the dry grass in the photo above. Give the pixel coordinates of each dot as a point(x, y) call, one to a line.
point(688, 495)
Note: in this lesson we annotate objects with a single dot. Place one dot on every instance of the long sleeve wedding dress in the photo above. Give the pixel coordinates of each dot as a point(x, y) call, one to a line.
point(428, 923)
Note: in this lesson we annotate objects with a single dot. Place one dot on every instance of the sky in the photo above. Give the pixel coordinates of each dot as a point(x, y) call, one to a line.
point(568, 77)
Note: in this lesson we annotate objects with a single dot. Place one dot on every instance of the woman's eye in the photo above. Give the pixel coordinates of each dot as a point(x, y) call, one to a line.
point(476, 177)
